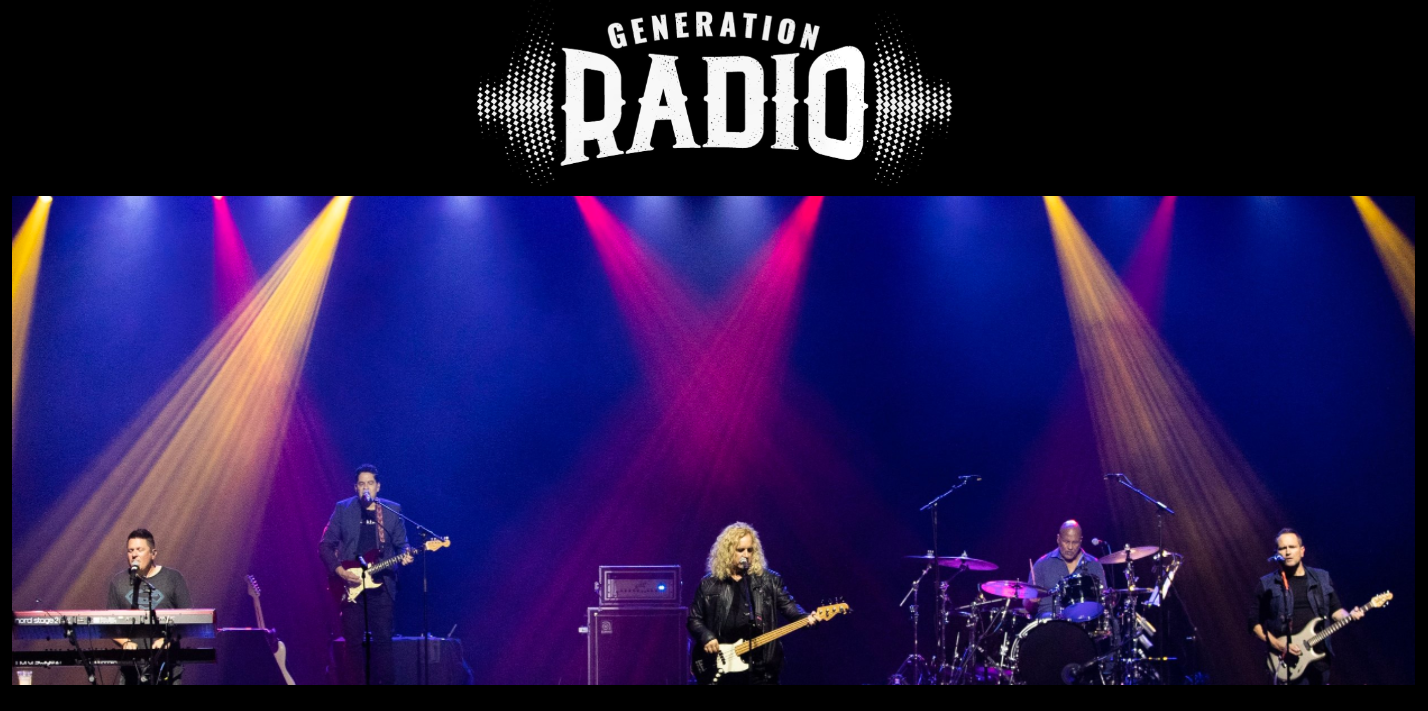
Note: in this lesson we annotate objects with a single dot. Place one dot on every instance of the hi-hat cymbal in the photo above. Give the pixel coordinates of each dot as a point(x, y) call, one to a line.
point(1121, 556)
point(958, 561)
point(1012, 588)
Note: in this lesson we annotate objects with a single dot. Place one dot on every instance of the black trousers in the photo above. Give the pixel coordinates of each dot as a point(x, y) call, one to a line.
point(1316, 675)
point(379, 608)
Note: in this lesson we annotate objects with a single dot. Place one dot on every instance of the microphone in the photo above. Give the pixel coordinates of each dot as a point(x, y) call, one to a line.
point(744, 562)
point(1115, 475)
point(970, 477)
point(366, 497)
point(1099, 542)
point(1276, 558)
point(133, 570)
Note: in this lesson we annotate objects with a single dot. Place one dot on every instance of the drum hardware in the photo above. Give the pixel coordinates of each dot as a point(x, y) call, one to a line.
point(914, 668)
point(940, 669)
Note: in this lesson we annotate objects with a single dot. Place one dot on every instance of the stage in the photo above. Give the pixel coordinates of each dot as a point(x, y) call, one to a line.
point(549, 385)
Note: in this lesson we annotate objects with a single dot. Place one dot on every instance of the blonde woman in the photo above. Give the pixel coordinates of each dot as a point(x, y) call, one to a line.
point(738, 600)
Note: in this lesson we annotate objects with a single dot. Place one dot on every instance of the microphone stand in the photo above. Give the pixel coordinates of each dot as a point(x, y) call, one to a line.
point(426, 535)
point(1160, 511)
point(1286, 618)
point(942, 600)
point(366, 621)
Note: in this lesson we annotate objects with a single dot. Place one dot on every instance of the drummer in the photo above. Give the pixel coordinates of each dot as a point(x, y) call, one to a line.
point(1068, 559)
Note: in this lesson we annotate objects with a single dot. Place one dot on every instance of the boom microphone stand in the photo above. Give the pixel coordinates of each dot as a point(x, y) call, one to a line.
point(942, 599)
point(426, 535)
point(1160, 512)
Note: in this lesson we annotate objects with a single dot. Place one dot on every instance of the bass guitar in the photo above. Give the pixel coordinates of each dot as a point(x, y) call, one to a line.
point(1311, 642)
point(734, 658)
point(350, 591)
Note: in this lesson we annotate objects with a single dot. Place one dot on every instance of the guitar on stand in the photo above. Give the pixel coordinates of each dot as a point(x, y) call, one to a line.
point(1310, 641)
point(350, 591)
point(280, 650)
point(733, 658)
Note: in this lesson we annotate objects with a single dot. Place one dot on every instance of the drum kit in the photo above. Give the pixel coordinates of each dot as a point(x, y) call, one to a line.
point(1092, 635)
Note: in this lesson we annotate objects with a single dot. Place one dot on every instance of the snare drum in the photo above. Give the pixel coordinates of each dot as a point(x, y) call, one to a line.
point(1045, 650)
point(1078, 598)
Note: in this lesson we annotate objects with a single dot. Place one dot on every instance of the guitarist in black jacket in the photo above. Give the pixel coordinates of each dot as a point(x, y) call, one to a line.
point(359, 525)
point(739, 599)
point(1310, 595)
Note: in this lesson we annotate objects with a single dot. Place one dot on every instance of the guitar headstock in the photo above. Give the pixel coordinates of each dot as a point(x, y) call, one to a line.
point(1380, 599)
point(437, 544)
point(253, 590)
point(831, 610)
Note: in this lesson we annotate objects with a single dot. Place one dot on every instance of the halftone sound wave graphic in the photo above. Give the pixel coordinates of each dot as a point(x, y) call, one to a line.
point(909, 107)
point(521, 104)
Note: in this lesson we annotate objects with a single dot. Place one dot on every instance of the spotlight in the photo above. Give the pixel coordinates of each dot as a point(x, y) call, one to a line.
point(45, 198)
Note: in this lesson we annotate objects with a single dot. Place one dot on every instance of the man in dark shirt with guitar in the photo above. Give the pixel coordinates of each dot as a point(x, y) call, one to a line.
point(1310, 595)
point(364, 533)
point(739, 599)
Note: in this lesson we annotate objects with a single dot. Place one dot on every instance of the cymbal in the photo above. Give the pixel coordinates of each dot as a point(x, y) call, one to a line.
point(1012, 588)
point(958, 561)
point(1136, 591)
point(1121, 556)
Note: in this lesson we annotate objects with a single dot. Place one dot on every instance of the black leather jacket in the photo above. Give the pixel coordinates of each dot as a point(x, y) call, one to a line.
point(715, 600)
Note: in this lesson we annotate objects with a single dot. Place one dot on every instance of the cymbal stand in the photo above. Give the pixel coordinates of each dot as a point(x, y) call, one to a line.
point(914, 668)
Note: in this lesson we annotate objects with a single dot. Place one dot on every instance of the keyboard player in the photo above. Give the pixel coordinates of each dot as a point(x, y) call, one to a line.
point(146, 585)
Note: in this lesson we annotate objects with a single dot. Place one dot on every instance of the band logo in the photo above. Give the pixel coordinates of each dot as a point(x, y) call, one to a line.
point(847, 101)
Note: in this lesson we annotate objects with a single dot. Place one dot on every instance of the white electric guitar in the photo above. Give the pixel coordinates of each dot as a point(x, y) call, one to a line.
point(733, 658)
point(1310, 640)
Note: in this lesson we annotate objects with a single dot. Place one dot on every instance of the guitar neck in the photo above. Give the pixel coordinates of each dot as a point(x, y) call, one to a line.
point(1324, 633)
point(258, 612)
point(767, 637)
point(383, 565)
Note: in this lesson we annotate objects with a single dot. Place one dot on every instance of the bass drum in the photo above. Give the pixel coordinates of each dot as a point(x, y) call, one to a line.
point(1046, 649)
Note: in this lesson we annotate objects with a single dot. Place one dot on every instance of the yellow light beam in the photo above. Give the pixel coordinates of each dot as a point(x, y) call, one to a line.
point(1152, 424)
point(25, 250)
point(199, 457)
point(1396, 253)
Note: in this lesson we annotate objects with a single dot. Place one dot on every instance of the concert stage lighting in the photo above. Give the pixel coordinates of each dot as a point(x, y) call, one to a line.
point(198, 458)
point(25, 250)
point(1152, 424)
point(1397, 254)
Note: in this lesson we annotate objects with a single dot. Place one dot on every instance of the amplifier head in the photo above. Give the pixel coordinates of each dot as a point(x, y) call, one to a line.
point(639, 585)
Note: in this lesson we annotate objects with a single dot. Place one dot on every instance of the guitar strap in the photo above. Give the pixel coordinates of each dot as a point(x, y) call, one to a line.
point(381, 527)
point(749, 599)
